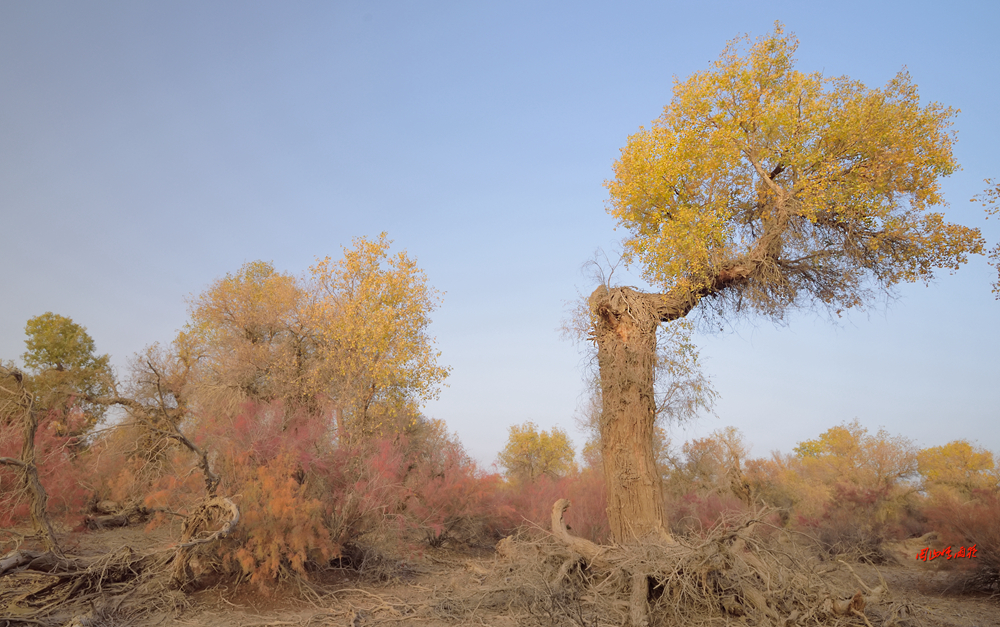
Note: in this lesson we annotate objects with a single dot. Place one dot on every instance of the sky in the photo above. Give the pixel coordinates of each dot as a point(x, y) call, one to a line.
point(147, 149)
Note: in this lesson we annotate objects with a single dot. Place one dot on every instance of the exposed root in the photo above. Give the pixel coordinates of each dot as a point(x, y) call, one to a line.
point(42, 587)
point(736, 572)
point(112, 516)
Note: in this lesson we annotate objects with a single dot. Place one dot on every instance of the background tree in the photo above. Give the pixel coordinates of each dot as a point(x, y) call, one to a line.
point(711, 464)
point(350, 341)
point(848, 453)
point(761, 188)
point(253, 340)
point(530, 453)
point(65, 371)
point(990, 199)
point(957, 466)
point(371, 316)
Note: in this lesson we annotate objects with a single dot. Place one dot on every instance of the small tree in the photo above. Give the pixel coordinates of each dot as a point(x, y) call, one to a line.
point(761, 189)
point(65, 370)
point(531, 453)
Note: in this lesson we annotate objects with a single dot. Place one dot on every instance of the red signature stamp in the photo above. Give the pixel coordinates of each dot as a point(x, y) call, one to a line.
point(930, 554)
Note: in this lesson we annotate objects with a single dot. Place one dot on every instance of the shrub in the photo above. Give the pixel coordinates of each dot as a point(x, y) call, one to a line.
point(532, 502)
point(306, 499)
point(971, 523)
point(696, 513)
point(60, 460)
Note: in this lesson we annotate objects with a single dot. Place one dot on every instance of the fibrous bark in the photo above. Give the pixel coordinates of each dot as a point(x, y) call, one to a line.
point(625, 322)
point(26, 464)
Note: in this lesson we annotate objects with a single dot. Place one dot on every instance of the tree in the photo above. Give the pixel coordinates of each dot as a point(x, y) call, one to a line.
point(848, 453)
point(65, 370)
point(350, 340)
point(18, 402)
point(990, 199)
point(252, 337)
point(959, 466)
point(758, 190)
point(712, 464)
point(371, 316)
point(681, 388)
point(531, 453)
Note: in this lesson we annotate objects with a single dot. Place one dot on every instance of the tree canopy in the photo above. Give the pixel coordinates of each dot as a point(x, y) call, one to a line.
point(350, 338)
point(530, 453)
point(769, 187)
point(65, 370)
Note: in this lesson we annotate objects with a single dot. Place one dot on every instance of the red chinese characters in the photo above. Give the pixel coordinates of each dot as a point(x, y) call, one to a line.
point(929, 554)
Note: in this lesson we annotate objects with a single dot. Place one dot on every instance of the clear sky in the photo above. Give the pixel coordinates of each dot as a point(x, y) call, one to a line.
point(147, 148)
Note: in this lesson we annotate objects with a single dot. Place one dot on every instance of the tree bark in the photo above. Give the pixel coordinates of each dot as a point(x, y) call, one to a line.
point(625, 331)
point(28, 469)
point(624, 328)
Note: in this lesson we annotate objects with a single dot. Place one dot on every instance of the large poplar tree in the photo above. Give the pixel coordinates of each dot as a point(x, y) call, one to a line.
point(759, 189)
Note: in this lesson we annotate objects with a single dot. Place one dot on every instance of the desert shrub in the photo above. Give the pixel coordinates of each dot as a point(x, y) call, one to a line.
point(307, 499)
point(971, 522)
point(696, 512)
point(854, 523)
point(60, 458)
point(532, 502)
point(282, 527)
point(450, 499)
point(848, 488)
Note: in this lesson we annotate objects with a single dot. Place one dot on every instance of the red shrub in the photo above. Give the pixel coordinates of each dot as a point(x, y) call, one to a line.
point(696, 513)
point(59, 459)
point(587, 516)
point(971, 523)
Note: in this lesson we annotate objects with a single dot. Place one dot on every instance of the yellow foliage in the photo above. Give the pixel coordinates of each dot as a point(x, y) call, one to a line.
point(959, 466)
point(531, 453)
point(352, 341)
point(847, 453)
point(250, 332)
point(784, 185)
point(372, 310)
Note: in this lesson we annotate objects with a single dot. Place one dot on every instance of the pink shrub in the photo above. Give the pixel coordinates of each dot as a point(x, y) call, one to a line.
point(695, 513)
point(60, 461)
point(587, 516)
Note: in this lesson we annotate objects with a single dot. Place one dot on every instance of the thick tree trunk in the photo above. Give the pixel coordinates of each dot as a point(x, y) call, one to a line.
point(625, 323)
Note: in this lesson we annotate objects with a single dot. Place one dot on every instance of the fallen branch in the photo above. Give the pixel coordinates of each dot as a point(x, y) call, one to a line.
point(196, 521)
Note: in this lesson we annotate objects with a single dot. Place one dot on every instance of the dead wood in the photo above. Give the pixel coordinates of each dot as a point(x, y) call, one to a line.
point(733, 570)
point(45, 588)
point(210, 510)
point(25, 401)
point(117, 517)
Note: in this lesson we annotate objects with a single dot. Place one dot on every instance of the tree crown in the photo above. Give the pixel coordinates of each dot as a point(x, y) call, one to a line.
point(772, 186)
point(531, 453)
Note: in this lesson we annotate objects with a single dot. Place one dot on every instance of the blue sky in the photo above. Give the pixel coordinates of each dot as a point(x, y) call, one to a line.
point(149, 148)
